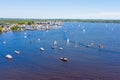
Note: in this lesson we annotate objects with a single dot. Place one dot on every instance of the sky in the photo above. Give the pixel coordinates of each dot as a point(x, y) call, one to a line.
point(63, 9)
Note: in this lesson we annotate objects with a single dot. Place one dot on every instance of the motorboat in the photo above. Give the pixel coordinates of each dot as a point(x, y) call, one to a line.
point(8, 56)
point(42, 49)
point(90, 45)
point(17, 52)
point(64, 59)
point(60, 48)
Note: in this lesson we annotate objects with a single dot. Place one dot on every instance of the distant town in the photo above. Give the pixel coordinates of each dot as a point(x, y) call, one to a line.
point(21, 25)
point(9, 24)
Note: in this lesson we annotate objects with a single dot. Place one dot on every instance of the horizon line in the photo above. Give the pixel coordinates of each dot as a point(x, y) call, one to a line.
point(64, 18)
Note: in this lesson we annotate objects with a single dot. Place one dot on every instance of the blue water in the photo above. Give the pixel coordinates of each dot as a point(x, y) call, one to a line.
point(83, 63)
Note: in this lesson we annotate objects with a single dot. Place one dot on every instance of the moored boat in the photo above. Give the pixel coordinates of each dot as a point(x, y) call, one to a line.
point(100, 46)
point(55, 43)
point(8, 56)
point(42, 49)
point(17, 52)
point(68, 40)
point(60, 48)
point(64, 59)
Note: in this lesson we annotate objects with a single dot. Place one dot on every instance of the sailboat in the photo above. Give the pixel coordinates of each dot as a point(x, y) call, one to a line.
point(84, 30)
point(68, 41)
point(55, 43)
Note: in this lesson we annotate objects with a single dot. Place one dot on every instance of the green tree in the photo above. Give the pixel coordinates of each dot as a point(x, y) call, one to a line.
point(30, 22)
point(15, 28)
point(21, 22)
point(0, 29)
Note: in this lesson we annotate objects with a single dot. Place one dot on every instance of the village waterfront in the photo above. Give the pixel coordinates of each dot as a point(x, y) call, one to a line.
point(84, 62)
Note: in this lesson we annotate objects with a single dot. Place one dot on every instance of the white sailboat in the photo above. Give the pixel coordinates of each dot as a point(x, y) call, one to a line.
point(55, 43)
point(84, 30)
point(68, 41)
point(25, 36)
point(4, 42)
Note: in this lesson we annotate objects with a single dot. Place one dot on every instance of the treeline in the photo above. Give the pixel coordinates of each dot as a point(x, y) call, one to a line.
point(31, 21)
point(16, 21)
point(90, 20)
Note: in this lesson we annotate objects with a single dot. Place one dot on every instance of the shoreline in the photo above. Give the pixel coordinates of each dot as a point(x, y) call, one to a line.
point(62, 20)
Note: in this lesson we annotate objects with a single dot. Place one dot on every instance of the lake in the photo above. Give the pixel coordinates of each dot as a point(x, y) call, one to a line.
point(83, 63)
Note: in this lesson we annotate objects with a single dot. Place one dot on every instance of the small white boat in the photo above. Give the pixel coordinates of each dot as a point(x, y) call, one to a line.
point(38, 39)
point(64, 59)
point(90, 45)
point(68, 41)
point(60, 48)
point(25, 36)
point(8, 56)
point(4, 42)
point(17, 52)
point(42, 49)
point(84, 30)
